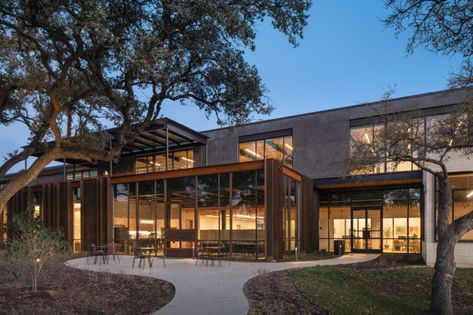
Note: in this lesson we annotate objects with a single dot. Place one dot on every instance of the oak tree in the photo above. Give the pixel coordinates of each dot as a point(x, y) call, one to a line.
point(69, 68)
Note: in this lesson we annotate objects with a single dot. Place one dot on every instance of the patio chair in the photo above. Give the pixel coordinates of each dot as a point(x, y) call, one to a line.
point(142, 256)
point(95, 254)
point(113, 248)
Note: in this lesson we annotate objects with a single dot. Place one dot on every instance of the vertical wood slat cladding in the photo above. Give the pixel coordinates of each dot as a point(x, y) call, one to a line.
point(89, 212)
point(104, 214)
point(108, 196)
point(274, 209)
point(307, 216)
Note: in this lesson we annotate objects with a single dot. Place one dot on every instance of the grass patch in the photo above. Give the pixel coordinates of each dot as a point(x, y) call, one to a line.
point(389, 291)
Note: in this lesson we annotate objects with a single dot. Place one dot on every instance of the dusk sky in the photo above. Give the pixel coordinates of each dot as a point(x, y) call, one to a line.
point(346, 57)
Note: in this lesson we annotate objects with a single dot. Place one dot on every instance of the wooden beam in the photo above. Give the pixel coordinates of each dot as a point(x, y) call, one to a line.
point(226, 168)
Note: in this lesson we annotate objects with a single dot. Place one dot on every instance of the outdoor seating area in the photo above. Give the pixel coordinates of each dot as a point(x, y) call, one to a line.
point(209, 252)
point(102, 253)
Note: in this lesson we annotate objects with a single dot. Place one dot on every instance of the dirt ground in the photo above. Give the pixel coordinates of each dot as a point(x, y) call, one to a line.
point(65, 290)
point(276, 293)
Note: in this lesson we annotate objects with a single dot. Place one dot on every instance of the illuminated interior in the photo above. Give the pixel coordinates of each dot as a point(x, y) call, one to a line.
point(280, 149)
point(387, 221)
point(231, 218)
point(76, 226)
point(181, 159)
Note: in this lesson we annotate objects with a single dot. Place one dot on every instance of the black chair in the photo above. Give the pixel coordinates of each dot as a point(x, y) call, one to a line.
point(94, 253)
point(142, 256)
point(113, 248)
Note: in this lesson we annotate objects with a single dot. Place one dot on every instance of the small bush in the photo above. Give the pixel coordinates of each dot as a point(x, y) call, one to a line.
point(31, 245)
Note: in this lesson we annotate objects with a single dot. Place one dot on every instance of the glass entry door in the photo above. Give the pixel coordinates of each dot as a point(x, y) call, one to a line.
point(366, 229)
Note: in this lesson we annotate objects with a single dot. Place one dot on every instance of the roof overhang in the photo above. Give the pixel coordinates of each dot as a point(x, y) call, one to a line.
point(162, 133)
point(375, 180)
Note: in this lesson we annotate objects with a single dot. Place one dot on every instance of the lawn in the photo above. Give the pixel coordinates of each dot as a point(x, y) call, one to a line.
point(379, 291)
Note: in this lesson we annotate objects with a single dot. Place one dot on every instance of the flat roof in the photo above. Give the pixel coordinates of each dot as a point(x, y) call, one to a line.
point(402, 98)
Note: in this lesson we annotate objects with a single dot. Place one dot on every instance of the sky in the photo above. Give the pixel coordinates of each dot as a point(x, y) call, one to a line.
point(346, 57)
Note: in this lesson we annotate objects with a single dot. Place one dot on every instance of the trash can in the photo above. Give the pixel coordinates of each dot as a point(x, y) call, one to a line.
point(339, 247)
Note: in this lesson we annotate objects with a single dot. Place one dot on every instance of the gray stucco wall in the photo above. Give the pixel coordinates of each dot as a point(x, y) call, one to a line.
point(321, 139)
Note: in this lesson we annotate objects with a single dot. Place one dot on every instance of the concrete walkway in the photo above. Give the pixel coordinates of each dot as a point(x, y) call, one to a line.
point(208, 289)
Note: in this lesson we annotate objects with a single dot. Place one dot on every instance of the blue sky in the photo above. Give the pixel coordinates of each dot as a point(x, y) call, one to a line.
point(346, 57)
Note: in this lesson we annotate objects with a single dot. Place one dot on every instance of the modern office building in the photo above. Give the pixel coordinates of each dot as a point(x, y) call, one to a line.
point(262, 190)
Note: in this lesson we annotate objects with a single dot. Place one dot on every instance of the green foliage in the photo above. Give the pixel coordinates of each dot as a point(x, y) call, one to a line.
point(389, 291)
point(445, 27)
point(31, 245)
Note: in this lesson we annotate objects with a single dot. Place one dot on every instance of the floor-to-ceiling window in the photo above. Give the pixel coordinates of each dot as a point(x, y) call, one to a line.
point(372, 220)
point(244, 213)
point(210, 215)
point(121, 215)
point(181, 202)
point(146, 212)
point(76, 230)
point(230, 211)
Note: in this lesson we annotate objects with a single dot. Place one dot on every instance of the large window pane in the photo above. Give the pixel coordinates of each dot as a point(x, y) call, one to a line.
point(260, 214)
point(248, 152)
point(288, 148)
point(280, 149)
point(414, 224)
point(133, 226)
point(76, 224)
point(146, 212)
point(395, 221)
point(274, 149)
point(181, 199)
point(209, 211)
point(225, 213)
point(144, 164)
point(120, 215)
point(244, 213)
point(463, 204)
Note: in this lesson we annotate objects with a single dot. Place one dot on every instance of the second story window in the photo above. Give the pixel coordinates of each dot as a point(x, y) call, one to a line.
point(84, 174)
point(280, 148)
point(181, 159)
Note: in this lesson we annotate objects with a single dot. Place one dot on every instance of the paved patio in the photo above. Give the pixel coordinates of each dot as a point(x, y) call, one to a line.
point(208, 289)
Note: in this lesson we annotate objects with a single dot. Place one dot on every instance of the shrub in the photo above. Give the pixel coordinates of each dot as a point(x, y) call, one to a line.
point(31, 245)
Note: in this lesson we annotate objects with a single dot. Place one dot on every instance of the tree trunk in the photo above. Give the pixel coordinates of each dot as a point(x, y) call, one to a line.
point(441, 298)
point(442, 280)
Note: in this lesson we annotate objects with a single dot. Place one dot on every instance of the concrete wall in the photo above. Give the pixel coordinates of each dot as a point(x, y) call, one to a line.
point(321, 139)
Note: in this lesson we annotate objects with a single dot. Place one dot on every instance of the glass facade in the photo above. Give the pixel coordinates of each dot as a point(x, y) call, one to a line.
point(375, 220)
point(84, 174)
point(181, 159)
point(280, 149)
point(462, 196)
point(368, 134)
point(76, 220)
point(226, 209)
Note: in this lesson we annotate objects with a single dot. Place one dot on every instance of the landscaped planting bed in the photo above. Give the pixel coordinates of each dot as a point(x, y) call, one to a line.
point(66, 290)
point(387, 285)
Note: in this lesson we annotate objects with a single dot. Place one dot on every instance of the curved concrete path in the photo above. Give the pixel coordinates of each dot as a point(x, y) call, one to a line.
point(209, 289)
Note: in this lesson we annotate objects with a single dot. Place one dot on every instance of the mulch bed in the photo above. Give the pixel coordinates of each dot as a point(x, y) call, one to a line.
point(276, 293)
point(387, 261)
point(66, 290)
